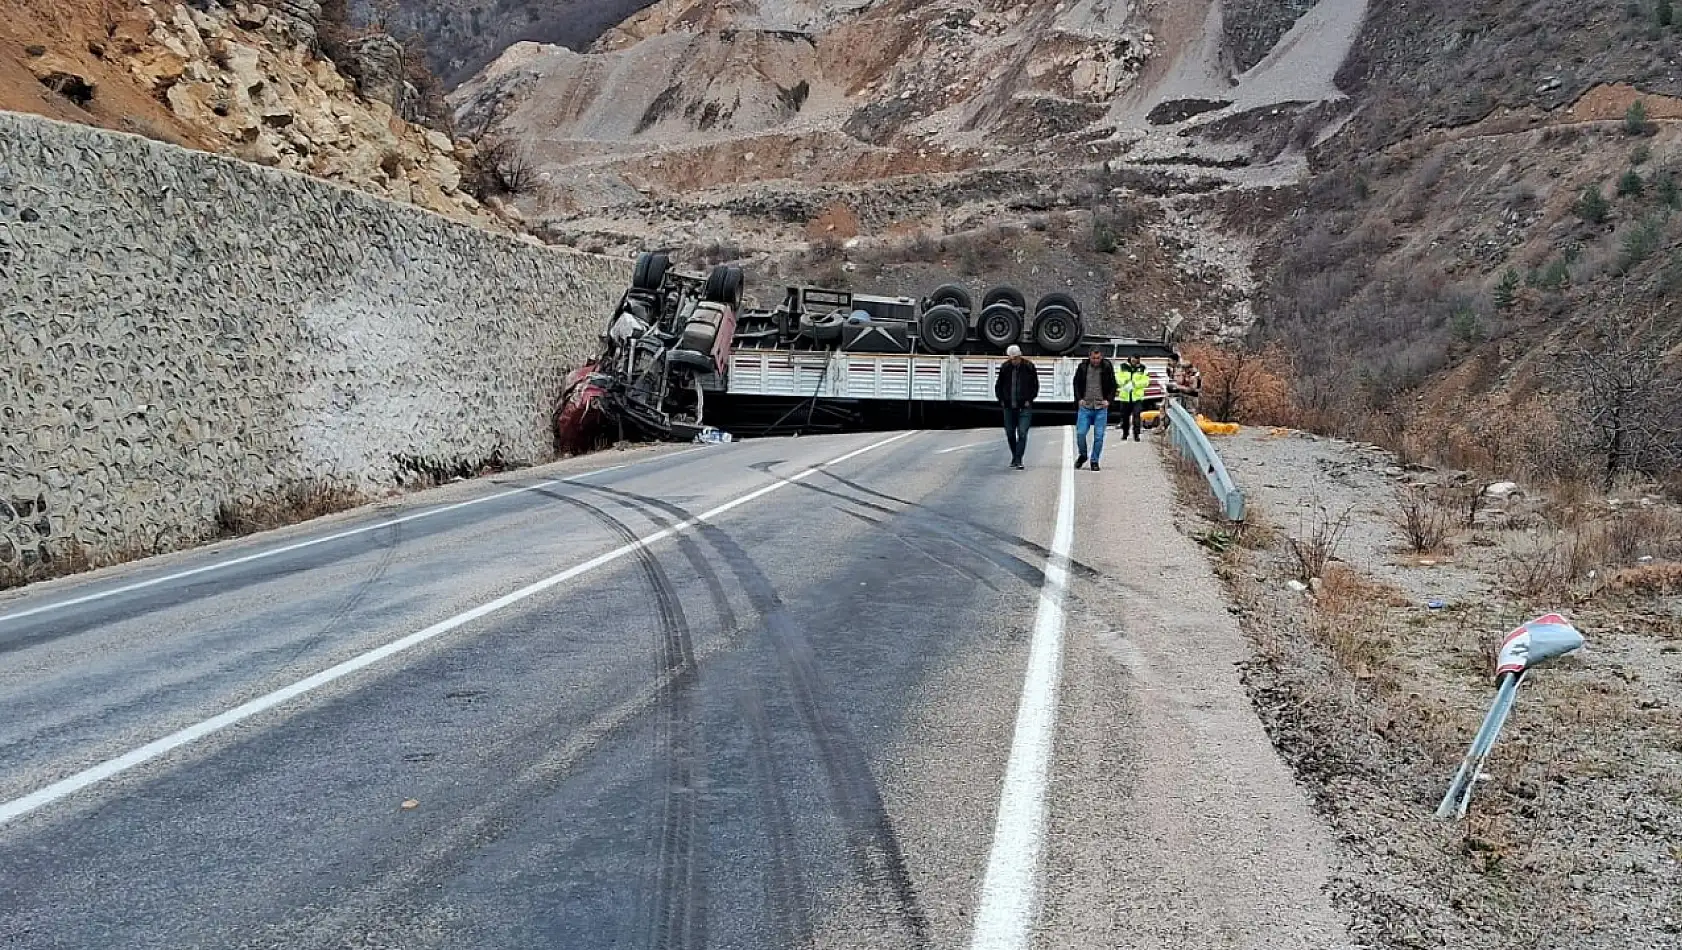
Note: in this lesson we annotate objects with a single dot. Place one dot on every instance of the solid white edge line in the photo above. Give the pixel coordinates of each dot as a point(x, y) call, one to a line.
point(324, 539)
point(1009, 897)
point(17, 808)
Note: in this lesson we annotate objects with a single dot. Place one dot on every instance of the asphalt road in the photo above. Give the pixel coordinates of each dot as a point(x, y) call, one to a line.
point(853, 691)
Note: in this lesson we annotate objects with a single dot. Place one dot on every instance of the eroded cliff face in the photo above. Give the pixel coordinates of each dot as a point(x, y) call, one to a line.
point(242, 79)
point(462, 36)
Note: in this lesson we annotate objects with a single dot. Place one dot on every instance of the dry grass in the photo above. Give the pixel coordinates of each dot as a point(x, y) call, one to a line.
point(1596, 544)
point(73, 557)
point(1349, 618)
point(1193, 488)
point(1660, 579)
point(302, 501)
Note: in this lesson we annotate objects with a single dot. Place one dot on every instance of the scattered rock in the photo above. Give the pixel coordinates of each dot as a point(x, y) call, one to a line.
point(64, 76)
point(157, 68)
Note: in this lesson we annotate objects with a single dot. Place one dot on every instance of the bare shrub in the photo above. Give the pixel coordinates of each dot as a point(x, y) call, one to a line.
point(1627, 393)
point(1539, 569)
point(1244, 384)
point(1425, 517)
point(924, 248)
point(1318, 542)
point(500, 167)
point(715, 252)
point(1111, 226)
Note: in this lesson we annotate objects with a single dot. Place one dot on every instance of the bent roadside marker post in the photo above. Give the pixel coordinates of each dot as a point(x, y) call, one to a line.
point(1546, 638)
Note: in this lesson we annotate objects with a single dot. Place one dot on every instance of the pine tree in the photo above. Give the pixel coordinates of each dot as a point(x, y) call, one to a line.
point(1506, 292)
point(1592, 206)
point(1635, 119)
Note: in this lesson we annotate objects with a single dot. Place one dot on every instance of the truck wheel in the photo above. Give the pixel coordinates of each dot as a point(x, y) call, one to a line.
point(944, 328)
point(650, 270)
point(827, 328)
point(1004, 294)
point(1000, 324)
point(1058, 300)
point(1057, 329)
point(724, 285)
point(952, 295)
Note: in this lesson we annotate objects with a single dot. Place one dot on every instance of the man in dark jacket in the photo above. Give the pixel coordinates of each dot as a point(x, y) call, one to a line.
point(1017, 387)
point(1095, 389)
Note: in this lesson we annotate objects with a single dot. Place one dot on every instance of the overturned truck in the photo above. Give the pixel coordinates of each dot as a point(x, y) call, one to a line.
point(682, 356)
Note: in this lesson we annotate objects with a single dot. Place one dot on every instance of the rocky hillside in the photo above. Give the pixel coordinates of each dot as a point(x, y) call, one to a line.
point(694, 111)
point(1481, 266)
point(244, 79)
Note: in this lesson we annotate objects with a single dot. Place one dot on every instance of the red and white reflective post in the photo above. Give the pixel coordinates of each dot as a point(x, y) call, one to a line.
point(1531, 645)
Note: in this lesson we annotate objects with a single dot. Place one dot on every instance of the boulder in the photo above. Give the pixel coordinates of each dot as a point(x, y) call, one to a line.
point(296, 20)
point(376, 62)
point(251, 16)
point(64, 76)
point(157, 68)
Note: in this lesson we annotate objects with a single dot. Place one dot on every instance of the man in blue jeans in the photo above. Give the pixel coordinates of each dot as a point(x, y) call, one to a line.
point(1095, 389)
point(1017, 387)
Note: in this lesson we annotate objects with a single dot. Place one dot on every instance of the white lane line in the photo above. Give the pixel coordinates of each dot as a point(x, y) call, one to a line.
point(324, 539)
point(17, 808)
point(960, 448)
point(1009, 899)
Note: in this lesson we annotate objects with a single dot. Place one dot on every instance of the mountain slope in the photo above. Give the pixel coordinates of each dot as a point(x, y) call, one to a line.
point(461, 36)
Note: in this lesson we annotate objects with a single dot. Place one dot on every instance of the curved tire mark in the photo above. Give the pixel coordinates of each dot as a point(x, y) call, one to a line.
point(873, 845)
point(677, 915)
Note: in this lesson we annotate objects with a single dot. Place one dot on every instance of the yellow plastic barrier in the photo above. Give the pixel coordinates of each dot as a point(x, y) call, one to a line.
point(1216, 428)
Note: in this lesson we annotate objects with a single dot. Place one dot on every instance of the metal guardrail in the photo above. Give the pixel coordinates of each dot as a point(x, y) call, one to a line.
point(1190, 440)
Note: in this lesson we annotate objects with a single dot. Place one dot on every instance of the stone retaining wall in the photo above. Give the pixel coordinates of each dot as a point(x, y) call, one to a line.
point(181, 331)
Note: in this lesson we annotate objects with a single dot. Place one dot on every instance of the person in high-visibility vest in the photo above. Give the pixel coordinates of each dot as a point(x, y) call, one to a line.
point(1131, 382)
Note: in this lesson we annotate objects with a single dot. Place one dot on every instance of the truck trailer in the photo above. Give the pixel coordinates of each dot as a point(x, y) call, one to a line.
point(682, 355)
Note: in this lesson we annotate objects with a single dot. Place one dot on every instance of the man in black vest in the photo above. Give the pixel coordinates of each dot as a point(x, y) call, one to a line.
point(1017, 387)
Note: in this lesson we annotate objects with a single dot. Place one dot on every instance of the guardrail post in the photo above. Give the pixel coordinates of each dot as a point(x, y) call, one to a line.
point(1531, 645)
point(1190, 440)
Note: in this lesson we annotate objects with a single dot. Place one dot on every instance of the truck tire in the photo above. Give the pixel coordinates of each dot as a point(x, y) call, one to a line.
point(650, 270)
point(952, 295)
point(943, 328)
point(724, 285)
point(824, 329)
point(1005, 294)
point(1057, 329)
point(1058, 300)
point(1000, 324)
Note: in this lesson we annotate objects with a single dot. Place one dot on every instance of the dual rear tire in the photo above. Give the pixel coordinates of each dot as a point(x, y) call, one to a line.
point(1057, 323)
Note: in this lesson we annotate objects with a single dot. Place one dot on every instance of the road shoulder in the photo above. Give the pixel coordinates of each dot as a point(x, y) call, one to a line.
point(1174, 823)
